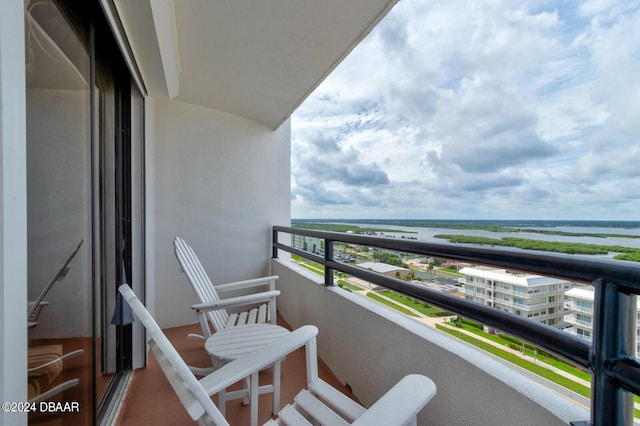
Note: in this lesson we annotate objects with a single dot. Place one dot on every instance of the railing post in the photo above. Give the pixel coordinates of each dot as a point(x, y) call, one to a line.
point(274, 240)
point(328, 255)
point(614, 324)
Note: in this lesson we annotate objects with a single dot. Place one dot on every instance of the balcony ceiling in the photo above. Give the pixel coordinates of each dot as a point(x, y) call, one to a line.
point(255, 59)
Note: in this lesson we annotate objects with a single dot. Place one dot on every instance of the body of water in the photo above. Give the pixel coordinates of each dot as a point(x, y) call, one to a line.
point(426, 234)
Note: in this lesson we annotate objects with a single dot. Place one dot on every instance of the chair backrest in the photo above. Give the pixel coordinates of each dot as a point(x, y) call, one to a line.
point(200, 281)
point(190, 392)
point(36, 305)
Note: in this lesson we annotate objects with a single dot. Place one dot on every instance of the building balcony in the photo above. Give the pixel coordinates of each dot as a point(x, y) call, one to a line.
point(574, 331)
point(530, 307)
point(511, 292)
point(572, 319)
point(367, 347)
point(573, 306)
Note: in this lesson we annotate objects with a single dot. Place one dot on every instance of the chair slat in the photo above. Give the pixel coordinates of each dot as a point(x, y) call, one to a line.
point(290, 417)
point(242, 318)
point(253, 316)
point(337, 400)
point(233, 319)
point(318, 410)
point(262, 314)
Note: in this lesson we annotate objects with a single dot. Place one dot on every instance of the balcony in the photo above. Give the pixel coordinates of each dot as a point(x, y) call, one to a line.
point(574, 306)
point(368, 347)
point(359, 337)
point(573, 319)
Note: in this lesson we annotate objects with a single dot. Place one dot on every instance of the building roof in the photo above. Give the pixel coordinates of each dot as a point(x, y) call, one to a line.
point(522, 279)
point(585, 292)
point(381, 267)
point(256, 59)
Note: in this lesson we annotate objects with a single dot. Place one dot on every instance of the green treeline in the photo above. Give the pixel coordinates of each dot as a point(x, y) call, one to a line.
point(333, 227)
point(491, 226)
point(633, 256)
point(571, 234)
point(389, 259)
point(628, 253)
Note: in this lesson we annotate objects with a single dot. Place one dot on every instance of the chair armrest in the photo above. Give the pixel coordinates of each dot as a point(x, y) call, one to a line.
point(55, 390)
point(401, 404)
point(258, 360)
point(248, 284)
point(33, 370)
point(248, 299)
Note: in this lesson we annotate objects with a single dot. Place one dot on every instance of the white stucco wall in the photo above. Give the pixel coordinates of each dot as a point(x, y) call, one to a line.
point(371, 347)
point(220, 182)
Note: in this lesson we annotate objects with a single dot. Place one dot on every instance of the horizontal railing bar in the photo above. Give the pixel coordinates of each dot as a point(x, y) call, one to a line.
point(309, 256)
point(572, 348)
point(625, 373)
point(625, 274)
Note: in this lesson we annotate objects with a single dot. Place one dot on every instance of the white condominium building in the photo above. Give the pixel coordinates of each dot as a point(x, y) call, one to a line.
point(310, 244)
point(579, 314)
point(531, 296)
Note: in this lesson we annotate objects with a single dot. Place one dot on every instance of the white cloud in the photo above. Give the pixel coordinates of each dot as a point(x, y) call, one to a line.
point(476, 109)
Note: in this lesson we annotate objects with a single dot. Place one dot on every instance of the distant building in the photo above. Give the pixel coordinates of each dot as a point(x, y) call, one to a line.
point(386, 269)
point(449, 264)
point(579, 314)
point(309, 244)
point(531, 296)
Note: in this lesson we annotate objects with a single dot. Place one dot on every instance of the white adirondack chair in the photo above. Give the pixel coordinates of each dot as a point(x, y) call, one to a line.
point(318, 404)
point(213, 310)
point(214, 307)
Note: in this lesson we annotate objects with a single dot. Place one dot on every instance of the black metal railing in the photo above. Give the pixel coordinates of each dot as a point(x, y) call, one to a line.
point(610, 358)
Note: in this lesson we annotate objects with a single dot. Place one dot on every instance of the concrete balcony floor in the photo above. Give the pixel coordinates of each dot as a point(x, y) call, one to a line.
point(150, 400)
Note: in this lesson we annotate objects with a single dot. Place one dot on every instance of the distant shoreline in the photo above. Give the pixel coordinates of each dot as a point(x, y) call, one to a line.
point(623, 252)
point(482, 224)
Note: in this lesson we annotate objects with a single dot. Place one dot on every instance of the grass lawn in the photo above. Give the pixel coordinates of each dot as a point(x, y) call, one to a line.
point(551, 361)
point(344, 284)
point(391, 304)
point(423, 308)
point(515, 359)
point(319, 269)
point(528, 365)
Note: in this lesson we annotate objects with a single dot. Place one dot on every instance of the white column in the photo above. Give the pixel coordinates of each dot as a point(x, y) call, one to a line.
point(13, 211)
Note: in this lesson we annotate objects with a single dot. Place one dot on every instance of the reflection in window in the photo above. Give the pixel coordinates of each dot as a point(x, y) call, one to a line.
point(59, 214)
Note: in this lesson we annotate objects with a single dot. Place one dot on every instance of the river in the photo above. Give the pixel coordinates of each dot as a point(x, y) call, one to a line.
point(427, 234)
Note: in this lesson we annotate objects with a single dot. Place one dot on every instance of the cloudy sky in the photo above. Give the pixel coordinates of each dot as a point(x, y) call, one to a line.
point(478, 109)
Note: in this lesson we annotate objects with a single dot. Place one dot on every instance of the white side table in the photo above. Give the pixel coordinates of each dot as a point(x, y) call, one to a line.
point(236, 342)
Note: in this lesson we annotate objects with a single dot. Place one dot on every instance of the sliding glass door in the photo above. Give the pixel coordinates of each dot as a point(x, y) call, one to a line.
point(85, 207)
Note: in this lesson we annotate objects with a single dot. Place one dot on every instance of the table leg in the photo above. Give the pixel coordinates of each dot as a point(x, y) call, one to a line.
point(276, 386)
point(247, 387)
point(253, 396)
